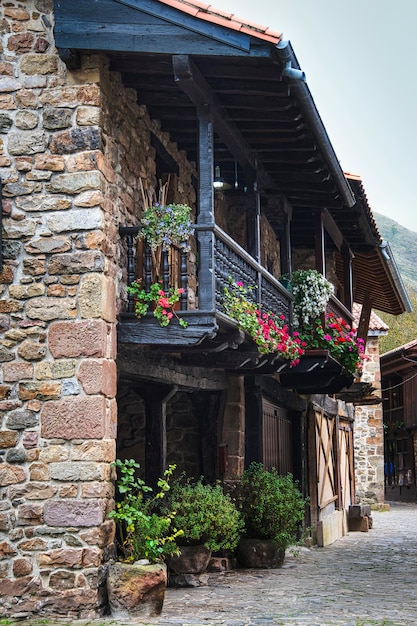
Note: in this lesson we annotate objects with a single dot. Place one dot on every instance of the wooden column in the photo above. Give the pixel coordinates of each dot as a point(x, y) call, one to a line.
point(253, 422)
point(206, 293)
point(347, 277)
point(285, 247)
point(364, 318)
point(319, 243)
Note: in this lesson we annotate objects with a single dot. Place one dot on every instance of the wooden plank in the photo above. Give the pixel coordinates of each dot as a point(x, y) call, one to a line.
point(145, 26)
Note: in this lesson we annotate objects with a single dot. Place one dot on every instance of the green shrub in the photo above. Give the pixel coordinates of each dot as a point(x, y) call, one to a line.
point(144, 529)
point(205, 515)
point(271, 504)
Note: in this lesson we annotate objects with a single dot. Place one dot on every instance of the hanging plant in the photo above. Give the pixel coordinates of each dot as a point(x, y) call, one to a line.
point(312, 292)
point(163, 225)
point(269, 332)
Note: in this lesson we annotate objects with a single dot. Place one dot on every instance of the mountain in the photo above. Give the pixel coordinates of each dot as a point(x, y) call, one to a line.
point(403, 243)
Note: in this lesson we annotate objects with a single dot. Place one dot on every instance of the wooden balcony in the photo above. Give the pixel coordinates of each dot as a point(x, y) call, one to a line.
point(209, 329)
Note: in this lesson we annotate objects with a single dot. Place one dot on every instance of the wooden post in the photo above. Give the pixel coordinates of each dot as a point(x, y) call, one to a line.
point(347, 278)
point(206, 210)
point(319, 241)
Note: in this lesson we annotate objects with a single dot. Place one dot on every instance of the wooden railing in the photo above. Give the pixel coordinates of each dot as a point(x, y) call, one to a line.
point(232, 261)
point(225, 260)
point(339, 310)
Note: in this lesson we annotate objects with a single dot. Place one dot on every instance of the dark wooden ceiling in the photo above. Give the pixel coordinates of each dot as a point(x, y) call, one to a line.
point(264, 111)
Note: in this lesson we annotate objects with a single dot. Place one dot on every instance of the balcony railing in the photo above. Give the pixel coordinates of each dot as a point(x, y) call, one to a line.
point(339, 310)
point(220, 259)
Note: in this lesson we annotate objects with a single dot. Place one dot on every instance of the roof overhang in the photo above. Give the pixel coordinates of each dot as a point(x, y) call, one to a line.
point(267, 128)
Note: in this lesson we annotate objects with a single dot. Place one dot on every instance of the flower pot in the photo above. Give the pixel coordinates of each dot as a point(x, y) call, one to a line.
point(260, 553)
point(136, 589)
point(192, 560)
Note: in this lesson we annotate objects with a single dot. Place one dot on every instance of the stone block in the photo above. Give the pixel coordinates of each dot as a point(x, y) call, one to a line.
point(77, 417)
point(13, 372)
point(78, 339)
point(77, 513)
point(98, 377)
point(11, 475)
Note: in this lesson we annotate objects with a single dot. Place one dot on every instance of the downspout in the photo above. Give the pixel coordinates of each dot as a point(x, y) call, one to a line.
point(301, 91)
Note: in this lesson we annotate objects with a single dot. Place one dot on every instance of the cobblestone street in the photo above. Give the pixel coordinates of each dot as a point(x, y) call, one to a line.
point(362, 580)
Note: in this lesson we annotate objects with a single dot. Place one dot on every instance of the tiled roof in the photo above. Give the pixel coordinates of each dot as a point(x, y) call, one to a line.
point(375, 322)
point(372, 222)
point(209, 13)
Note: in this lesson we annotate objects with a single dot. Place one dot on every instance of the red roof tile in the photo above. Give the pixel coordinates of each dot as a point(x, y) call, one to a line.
point(375, 322)
point(207, 12)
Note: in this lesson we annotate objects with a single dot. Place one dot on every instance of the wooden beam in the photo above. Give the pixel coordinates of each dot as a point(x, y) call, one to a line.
point(363, 326)
point(195, 86)
point(319, 243)
point(347, 277)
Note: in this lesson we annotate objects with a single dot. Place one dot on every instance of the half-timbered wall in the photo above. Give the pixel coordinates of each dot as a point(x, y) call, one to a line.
point(331, 471)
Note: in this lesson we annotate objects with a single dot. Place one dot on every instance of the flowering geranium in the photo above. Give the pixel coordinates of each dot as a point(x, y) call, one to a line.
point(338, 337)
point(163, 302)
point(311, 291)
point(268, 331)
point(166, 225)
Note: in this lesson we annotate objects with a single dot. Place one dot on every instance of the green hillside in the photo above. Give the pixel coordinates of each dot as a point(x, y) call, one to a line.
point(403, 243)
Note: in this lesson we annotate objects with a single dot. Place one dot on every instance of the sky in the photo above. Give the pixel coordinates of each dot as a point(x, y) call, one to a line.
point(360, 60)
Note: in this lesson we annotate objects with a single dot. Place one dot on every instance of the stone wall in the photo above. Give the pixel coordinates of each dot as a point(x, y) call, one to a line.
point(72, 147)
point(369, 435)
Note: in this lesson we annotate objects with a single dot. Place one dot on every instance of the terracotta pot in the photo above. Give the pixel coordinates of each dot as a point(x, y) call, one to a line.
point(192, 560)
point(260, 553)
point(136, 589)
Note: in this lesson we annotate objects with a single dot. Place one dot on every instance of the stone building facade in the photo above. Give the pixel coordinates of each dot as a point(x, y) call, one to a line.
point(74, 144)
point(369, 429)
point(72, 147)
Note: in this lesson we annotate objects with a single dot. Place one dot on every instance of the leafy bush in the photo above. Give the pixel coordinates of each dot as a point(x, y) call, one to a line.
point(272, 505)
point(205, 515)
point(144, 530)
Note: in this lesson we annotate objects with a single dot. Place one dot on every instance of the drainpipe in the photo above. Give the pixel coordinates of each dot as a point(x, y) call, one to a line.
point(300, 89)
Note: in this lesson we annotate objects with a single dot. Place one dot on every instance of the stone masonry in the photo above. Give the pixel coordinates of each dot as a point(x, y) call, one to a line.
point(73, 145)
point(369, 431)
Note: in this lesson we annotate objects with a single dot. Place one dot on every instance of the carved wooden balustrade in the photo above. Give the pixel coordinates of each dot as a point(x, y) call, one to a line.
point(223, 259)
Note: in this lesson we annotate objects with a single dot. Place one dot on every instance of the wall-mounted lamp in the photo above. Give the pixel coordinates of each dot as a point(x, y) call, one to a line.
point(219, 183)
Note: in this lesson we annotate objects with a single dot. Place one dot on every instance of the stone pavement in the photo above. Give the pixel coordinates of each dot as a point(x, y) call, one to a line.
point(363, 579)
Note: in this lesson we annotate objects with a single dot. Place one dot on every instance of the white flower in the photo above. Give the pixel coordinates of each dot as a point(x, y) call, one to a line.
point(311, 291)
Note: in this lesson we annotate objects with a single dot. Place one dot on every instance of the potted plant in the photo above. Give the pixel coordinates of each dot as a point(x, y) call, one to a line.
point(312, 291)
point(164, 224)
point(208, 520)
point(317, 330)
point(273, 509)
point(136, 582)
point(163, 303)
